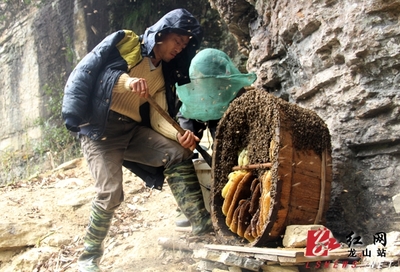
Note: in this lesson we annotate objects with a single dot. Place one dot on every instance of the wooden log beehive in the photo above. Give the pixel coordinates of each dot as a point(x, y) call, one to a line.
point(289, 149)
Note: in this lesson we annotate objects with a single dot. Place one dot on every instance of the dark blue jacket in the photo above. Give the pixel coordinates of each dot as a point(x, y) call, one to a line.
point(88, 91)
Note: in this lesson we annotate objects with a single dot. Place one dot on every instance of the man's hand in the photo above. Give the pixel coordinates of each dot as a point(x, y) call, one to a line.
point(139, 86)
point(188, 140)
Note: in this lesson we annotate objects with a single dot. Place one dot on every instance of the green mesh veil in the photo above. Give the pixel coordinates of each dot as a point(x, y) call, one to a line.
point(215, 82)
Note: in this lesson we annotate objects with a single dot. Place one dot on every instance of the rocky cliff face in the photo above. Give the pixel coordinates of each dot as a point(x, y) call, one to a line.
point(39, 44)
point(340, 59)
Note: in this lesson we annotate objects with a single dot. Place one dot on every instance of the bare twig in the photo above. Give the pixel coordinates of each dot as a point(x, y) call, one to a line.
point(253, 166)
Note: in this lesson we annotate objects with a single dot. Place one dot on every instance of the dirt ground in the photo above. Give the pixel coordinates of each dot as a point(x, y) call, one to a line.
point(64, 196)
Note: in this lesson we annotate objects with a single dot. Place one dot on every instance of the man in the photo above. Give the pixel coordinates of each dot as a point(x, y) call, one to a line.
point(215, 82)
point(102, 103)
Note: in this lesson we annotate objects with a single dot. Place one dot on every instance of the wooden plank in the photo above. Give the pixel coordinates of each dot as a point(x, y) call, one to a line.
point(304, 200)
point(282, 259)
point(303, 171)
point(332, 255)
point(285, 177)
point(308, 163)
point(305, 189)
point(322, 193)
point(292, 252)
point(283, 256)
point(267, 257)
point(341, 253)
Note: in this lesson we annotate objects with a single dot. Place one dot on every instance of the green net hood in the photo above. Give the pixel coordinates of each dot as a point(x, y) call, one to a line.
point(215, 82)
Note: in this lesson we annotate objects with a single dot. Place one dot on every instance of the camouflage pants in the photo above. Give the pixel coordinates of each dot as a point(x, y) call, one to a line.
point(99, 224)
point(185, 187)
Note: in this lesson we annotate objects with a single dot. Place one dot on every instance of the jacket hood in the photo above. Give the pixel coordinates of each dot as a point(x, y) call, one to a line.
point(178, 21)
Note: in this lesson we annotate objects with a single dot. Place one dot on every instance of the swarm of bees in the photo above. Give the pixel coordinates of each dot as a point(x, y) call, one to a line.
point(250, 124)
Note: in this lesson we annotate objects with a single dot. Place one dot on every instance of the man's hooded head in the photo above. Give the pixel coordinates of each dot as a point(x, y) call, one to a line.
point(181, 22)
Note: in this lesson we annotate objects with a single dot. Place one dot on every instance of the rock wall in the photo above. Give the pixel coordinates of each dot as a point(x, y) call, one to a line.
point(340, 59)
point(38, 47)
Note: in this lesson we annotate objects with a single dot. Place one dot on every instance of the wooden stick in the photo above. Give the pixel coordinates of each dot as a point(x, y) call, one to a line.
point(204, 154)
point(322, 192)
point(253, 166)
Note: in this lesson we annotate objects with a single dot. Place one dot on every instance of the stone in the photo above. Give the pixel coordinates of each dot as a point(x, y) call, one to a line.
point(296, 235)
point(31, 259)
point(393, 238)
point(69, 183)
point(396, 202)
point(81, 197)
point(23, 233)
point(205, 265)
point(57, 240)
point(228, 258)
point(68, 165)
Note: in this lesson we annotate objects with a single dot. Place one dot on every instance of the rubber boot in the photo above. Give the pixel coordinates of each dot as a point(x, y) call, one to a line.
point(181, 220)
point(185, 187)
point(99, 224)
